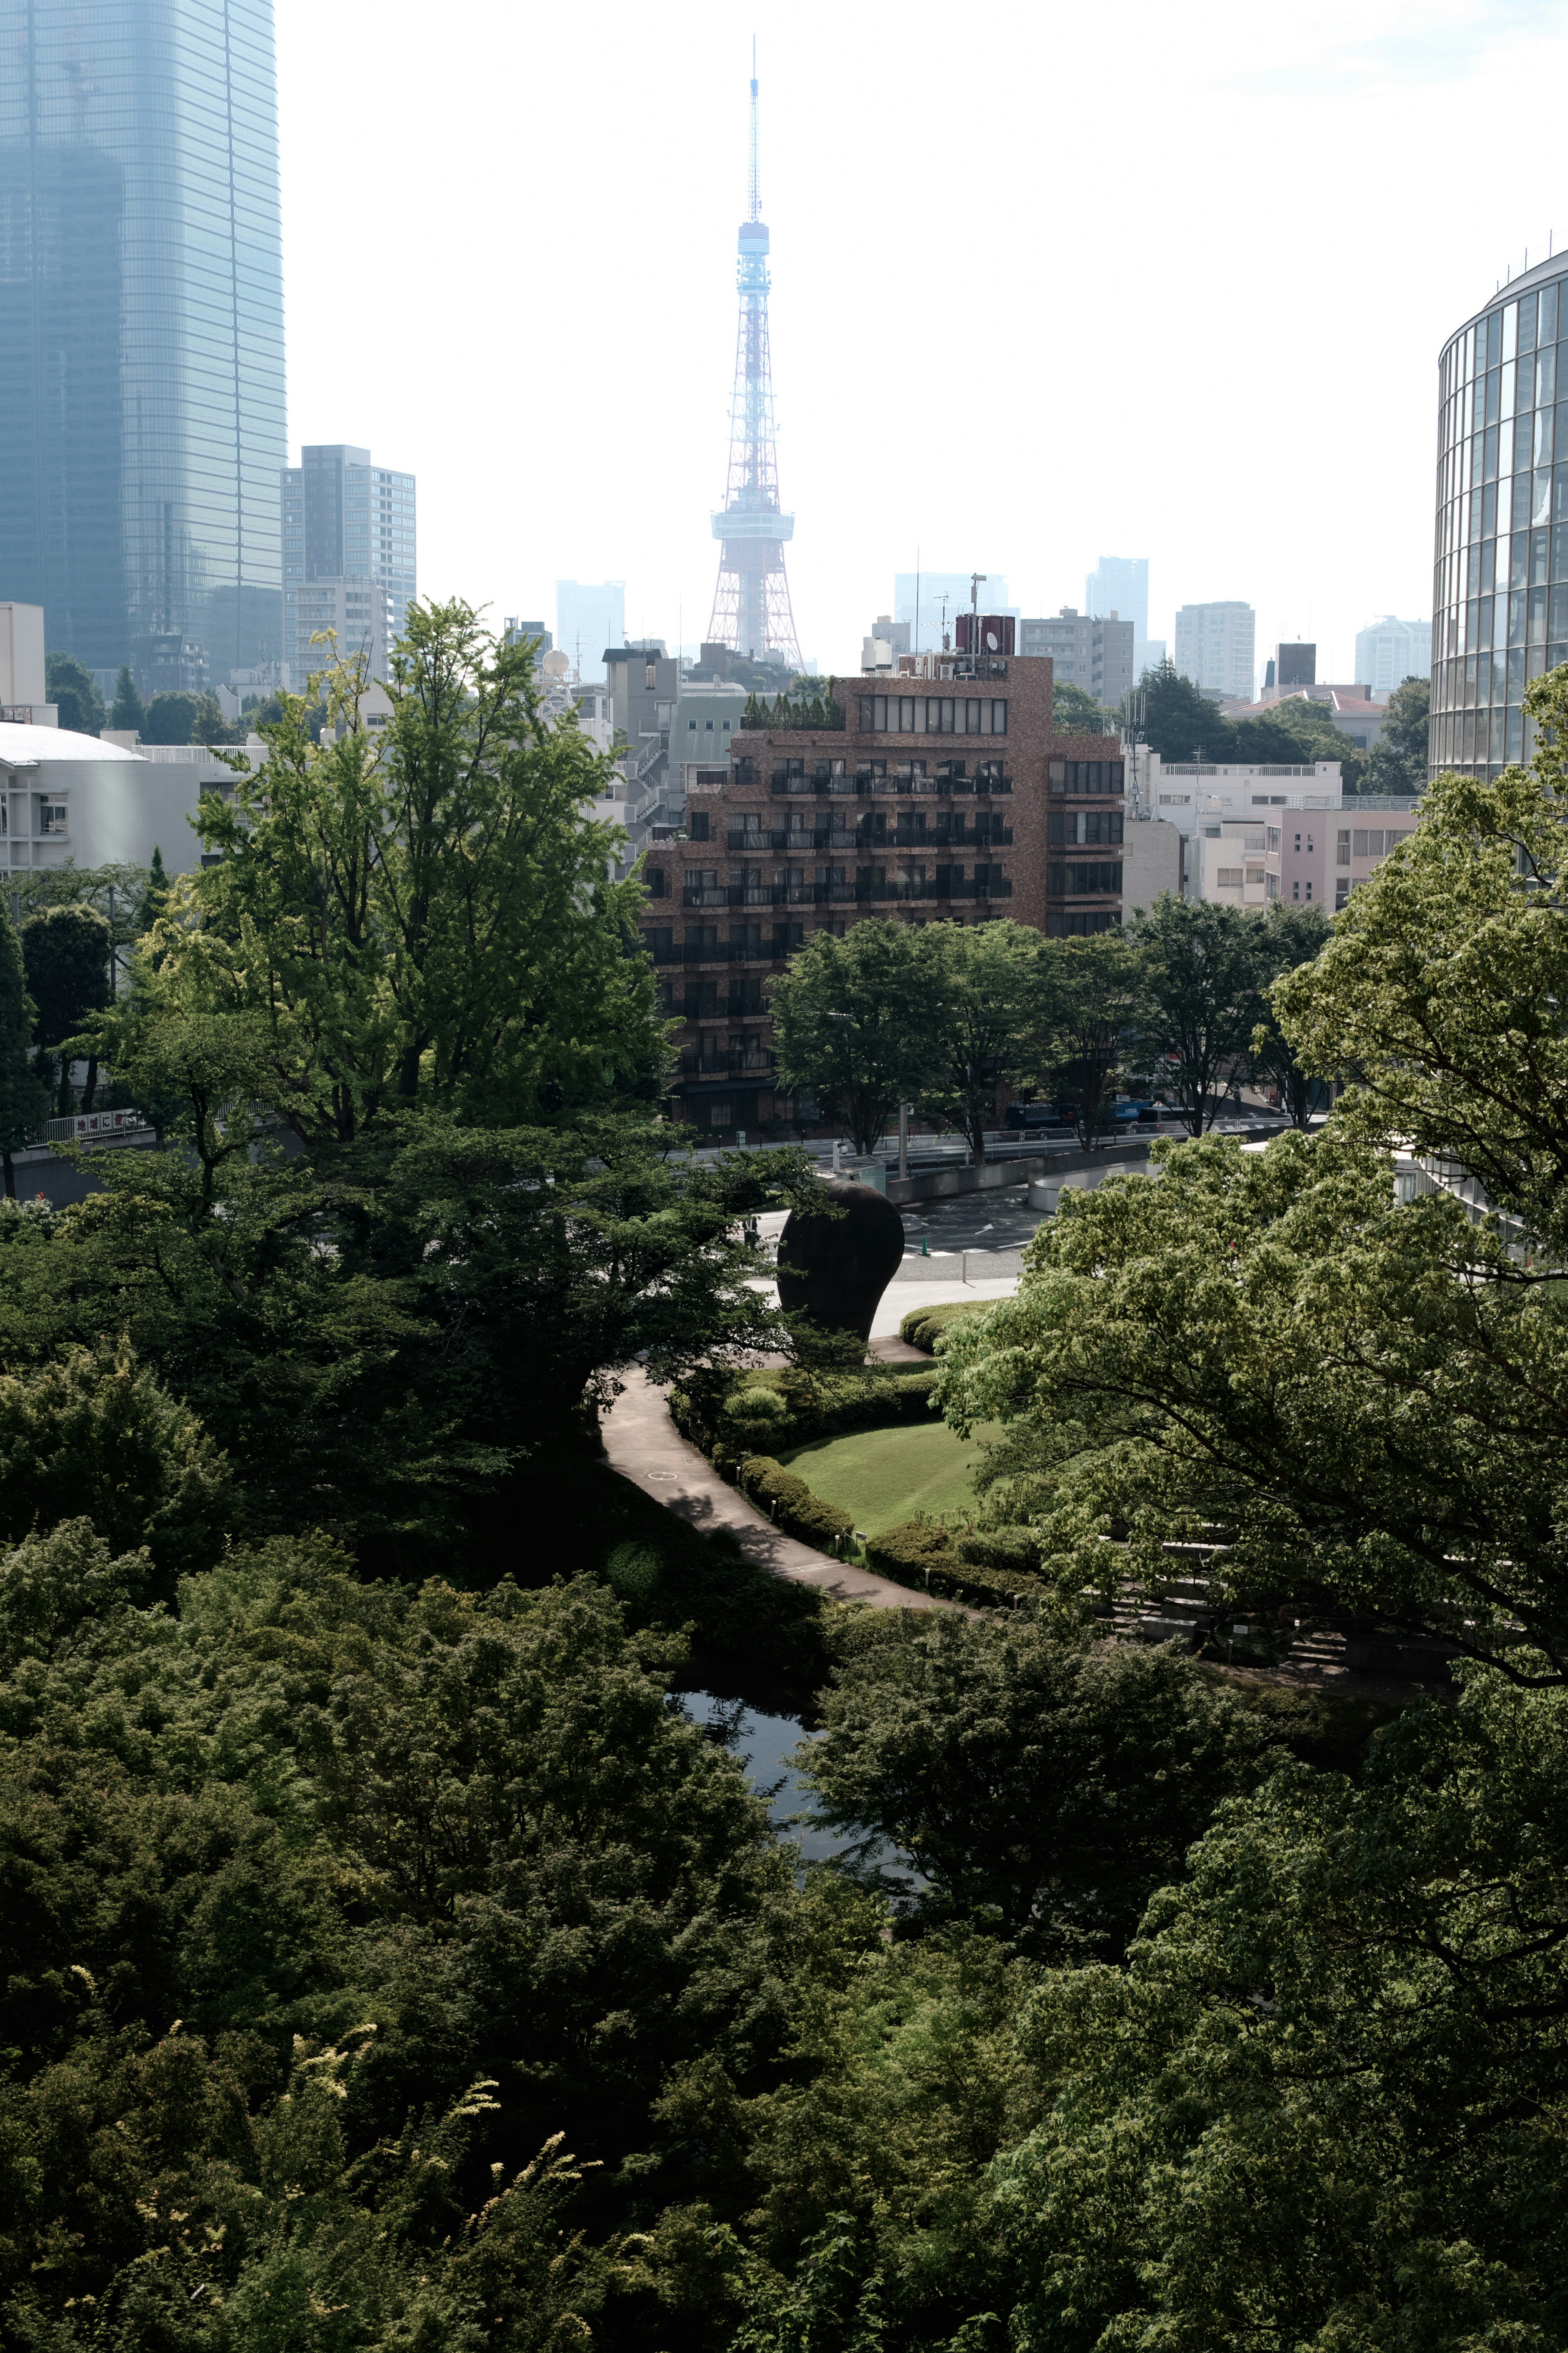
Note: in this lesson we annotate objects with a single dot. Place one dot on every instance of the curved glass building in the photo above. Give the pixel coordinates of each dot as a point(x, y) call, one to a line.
point(1499, 595)
point(142, 419)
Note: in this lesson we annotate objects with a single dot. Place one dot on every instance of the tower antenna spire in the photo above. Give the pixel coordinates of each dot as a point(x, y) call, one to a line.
point(756, 208)
point(751, 611)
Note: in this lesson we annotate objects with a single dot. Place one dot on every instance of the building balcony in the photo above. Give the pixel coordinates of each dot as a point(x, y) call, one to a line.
point(866, 786)
point(783, 841)
point(755, 1064)
point(941, 884)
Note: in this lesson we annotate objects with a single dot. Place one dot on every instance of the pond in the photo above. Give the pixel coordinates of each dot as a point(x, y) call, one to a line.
point(762, 1743)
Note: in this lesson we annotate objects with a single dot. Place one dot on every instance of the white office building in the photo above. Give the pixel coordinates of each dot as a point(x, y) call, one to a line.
point(350, 551)
point(87, 800)
point(1215, 646)
point(1389, 650)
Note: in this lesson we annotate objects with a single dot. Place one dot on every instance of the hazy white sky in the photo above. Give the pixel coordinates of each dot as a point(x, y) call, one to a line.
point(1049, 282)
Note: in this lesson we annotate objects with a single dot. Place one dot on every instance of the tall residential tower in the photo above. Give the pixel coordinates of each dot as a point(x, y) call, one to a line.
point(141, 415)
point(349, 556)
point(750, 604)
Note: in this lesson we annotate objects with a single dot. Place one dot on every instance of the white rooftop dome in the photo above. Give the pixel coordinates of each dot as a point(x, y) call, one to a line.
point(28, 747)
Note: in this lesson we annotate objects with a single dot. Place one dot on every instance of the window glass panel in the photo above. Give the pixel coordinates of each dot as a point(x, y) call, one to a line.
point(1526, 323)
point(1522, 437)
point(1541, 502)
point(1547, 325)
point(1509, 330)
point(1505, 506)
point(1541, 455)
point(1519, 566)
point(1493, 409)
point(1546, 376)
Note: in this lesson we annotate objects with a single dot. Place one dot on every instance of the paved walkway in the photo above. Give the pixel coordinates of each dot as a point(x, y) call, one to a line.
point(644, 1445)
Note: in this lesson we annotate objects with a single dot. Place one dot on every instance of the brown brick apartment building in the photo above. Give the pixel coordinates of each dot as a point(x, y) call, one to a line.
point(945, 796)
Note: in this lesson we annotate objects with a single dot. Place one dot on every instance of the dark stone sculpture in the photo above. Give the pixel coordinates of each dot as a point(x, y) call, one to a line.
point(836, 1270)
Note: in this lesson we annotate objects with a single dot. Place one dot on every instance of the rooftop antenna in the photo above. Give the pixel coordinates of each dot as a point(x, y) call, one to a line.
point(756, 194)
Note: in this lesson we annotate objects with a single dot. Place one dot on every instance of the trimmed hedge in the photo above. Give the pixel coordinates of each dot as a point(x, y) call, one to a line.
point(921, 1552)
point(800, 1513)
point(731, 1417)
point(923, 1326)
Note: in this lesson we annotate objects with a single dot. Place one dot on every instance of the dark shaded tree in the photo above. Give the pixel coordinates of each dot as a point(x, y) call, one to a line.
point(130, 712)
point(1292, 936)
point(69, 685)
point(64, 954)
point(23, 1097)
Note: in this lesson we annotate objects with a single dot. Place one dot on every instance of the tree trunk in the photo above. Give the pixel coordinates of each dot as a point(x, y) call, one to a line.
point(10, 1176)
point(91, 1087)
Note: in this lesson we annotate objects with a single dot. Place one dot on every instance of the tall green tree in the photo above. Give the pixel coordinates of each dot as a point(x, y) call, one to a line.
point(1441, 994)
point(1324, 2104)
point(170, 717)
point(1093, 1001)
point(1176, 719)
point(70, 684)
point(1074, 711)
point(989, 979)
point(421, 914)
point(64, 954)
point(1398, 765)
point(1292, 935)
point(1037, 1788)
point(23, 1097)
point(861, 1020)
point(1203, 974)
point(1366, 1400)
point(130, 712)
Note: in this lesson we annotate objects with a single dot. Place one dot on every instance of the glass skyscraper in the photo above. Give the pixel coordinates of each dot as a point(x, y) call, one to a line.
point(141, 394)
point(1499, 596)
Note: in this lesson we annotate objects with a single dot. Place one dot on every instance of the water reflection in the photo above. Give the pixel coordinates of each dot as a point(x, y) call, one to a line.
point(762, 1743)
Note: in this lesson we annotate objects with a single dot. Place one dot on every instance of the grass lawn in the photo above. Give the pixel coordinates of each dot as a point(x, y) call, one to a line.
point(885, 1475)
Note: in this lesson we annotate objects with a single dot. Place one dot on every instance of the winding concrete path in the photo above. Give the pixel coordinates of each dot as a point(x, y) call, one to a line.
point(644, 1445)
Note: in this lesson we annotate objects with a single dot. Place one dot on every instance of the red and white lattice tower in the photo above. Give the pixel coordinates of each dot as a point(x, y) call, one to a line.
point(750, 604)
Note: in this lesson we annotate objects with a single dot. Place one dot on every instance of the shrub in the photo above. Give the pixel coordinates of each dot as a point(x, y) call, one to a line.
point(923, 1326)
point(1013, 1550)
point(800, 1513)
point(785, 1409)
point(969, 1568)
point(94, 1435)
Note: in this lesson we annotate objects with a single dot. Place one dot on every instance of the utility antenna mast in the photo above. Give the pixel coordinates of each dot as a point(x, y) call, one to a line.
point(751, 604)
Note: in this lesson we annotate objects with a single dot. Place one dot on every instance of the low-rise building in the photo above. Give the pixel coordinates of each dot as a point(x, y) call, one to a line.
point(943, 795)
point(87, 800)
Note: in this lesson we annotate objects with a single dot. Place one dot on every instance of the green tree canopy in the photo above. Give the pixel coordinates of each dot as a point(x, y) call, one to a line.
point(130, 712)
point(421, 914)
point(1440, 993)
point(1175, 718)
point(1037, 1788)
point(1203, 971)
point(1265, 1352)
point(65, 954)
point(990, 1010)
point(1324, 2104)
point(1093, 1002)
point(170, 717)
point(1075, 711)
point(23, 1097)
point(1292, 935)
point(69, 685)
point(1398, 765)
point(861, 1020)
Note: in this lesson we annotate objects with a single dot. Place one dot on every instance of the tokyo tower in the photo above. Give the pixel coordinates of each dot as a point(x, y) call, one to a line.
point(751, 604)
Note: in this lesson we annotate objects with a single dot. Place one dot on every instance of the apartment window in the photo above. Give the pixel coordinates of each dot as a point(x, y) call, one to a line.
point(1088, 776)
point(1342, 895)
point(649, 677)
point(1343, 850)
point(1070, 880)
point(932, 714)
point(1296, 887)
point(1309, 889)
point(697, 825)
point(1229, 878)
